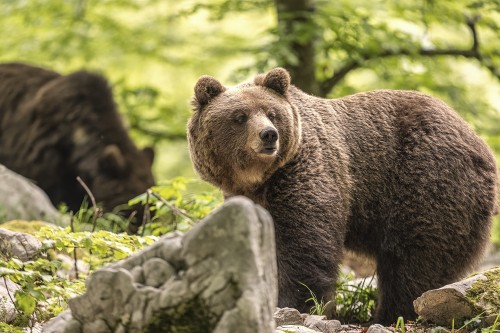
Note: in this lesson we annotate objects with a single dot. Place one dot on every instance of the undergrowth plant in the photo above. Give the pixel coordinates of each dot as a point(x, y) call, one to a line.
point(319, 305)
point(46, 289)
point(400, 324)
point(355, 301)
point(173, 206)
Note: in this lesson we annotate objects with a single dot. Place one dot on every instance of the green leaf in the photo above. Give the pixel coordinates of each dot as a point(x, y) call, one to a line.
point(25, 302)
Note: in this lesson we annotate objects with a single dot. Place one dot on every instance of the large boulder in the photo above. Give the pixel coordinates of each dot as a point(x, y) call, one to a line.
point(23, 200)
point(220, 277)
point(478, 295)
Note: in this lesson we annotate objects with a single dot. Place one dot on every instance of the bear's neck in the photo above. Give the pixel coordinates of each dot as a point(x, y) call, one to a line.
point(257, 195)
point(252, 186)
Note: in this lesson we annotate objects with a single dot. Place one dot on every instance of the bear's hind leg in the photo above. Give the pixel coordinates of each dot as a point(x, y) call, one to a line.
point(406, 270)
point(396, 291)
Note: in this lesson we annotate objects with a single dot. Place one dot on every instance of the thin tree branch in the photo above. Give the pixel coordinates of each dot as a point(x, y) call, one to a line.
point(146, 216)
point(328, 84)
point(8, 294)
point(174, 209)
point(75, 257)
point(471, 23)
point(97, 211)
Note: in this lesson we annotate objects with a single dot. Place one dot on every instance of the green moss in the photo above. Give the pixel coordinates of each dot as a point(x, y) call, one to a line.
point(186, 318)
point(27, 227)
point(485, 294)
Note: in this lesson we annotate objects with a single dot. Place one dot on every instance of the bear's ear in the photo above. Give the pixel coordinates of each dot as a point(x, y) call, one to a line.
point(111, 160)
point(207, 88)
point(278, 80)
point(149, 152)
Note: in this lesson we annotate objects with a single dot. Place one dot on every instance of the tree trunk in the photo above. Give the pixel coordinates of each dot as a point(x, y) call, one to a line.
point(295, 17)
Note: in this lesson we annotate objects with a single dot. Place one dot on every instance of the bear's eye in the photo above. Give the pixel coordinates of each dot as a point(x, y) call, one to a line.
point(241, 119)
point(271, 116)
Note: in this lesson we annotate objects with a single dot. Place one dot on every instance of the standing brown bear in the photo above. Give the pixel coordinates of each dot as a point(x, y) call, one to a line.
point(395, 175)
point(55, 127)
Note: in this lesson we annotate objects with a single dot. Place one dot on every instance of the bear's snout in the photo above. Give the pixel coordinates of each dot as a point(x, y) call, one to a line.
point(269, 135)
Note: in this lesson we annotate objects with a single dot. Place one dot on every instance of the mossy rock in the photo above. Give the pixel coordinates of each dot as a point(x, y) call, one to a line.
point(27, 227)
point(484, 294)
point(478, 296)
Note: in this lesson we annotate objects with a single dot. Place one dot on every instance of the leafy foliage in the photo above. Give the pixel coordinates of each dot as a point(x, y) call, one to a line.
point(318, 307)
point(355, 300)
point(174, 207)
point(45, 290)
point(153, 50)
point(175, 204)
point(47, 283)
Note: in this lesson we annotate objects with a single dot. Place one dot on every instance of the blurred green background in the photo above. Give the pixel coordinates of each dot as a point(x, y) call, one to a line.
point(152, 51)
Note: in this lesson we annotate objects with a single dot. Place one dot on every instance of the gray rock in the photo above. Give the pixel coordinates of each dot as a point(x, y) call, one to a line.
point(64, 322)
point(461, 300)
point(219, 277)
point(294, 329)
point(20, 199)
point(138, 274)
point(157, 271)
point(377, 328)
point(7, 291)
point(320, 324)
point(287, 316)
point(19, 245)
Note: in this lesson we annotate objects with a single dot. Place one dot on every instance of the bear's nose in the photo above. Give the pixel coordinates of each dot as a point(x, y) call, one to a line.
point(269, 135)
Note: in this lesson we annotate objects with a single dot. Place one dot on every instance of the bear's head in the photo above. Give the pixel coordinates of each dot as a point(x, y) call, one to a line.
point(96, 143)
point(238, 137)
point(123, 172)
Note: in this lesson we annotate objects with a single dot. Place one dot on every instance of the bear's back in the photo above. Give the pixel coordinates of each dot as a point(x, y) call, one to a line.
point(384, 127)
point(19, 83)
point(409, 152)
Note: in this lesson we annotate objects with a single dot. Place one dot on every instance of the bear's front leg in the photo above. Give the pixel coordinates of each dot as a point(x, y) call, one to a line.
point(310, 230)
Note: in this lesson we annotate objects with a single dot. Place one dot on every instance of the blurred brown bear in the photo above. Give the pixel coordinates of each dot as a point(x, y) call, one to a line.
point(55, 127)
point(394, 175)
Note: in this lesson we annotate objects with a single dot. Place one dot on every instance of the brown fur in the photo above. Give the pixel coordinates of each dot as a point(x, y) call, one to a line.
point(395, 175)
point(54, 128)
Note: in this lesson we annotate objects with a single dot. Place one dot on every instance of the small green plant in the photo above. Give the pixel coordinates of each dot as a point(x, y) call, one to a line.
point(493, 327)
point(400, 323)
point(6, 328)
point(478, 324)
point(319, 306)
point(355, 302)
point(89, 218)
point(174, 207)
point(169, 206)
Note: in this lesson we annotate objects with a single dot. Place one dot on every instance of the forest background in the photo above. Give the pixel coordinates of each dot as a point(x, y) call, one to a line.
point(153, 51)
